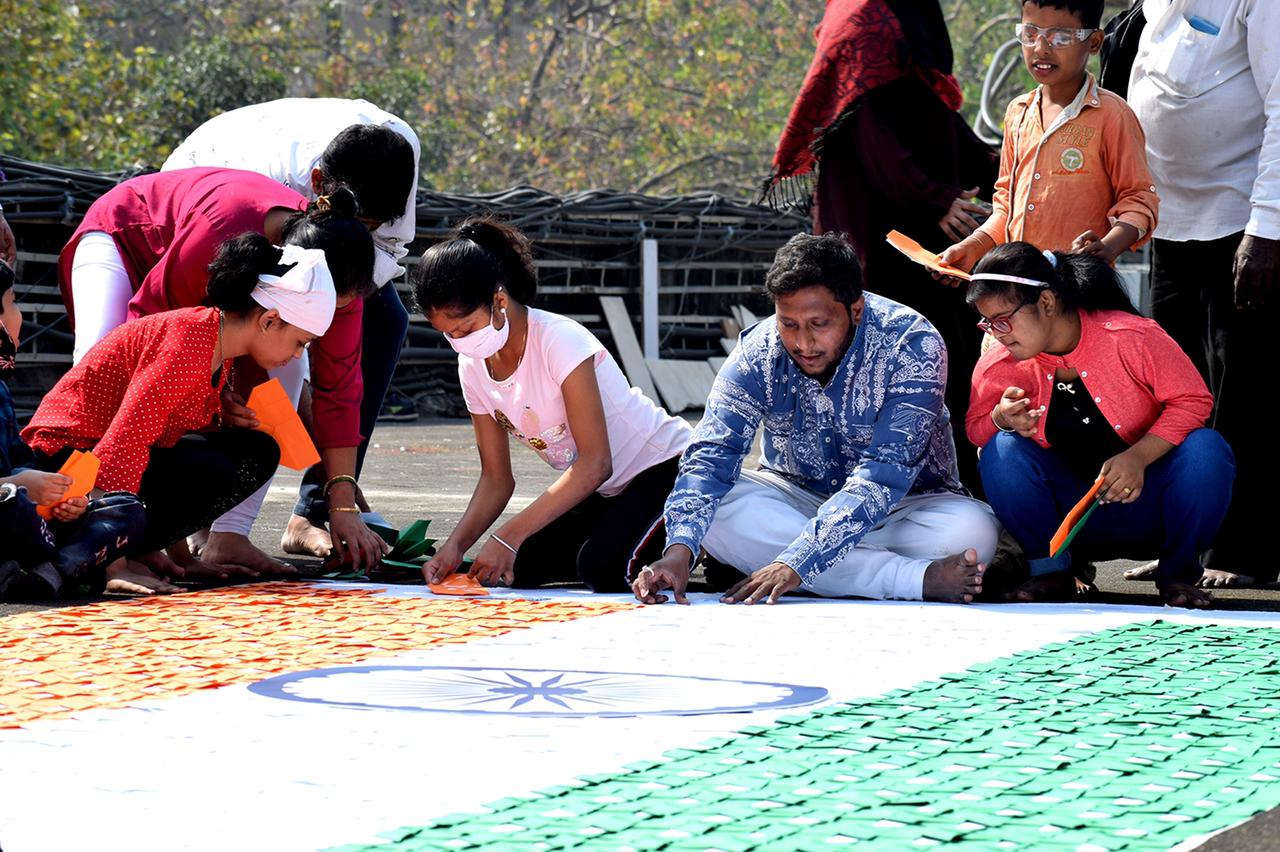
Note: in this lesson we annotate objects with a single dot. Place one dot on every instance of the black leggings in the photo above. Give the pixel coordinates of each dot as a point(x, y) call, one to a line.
point(602, 541)
point(186, 486)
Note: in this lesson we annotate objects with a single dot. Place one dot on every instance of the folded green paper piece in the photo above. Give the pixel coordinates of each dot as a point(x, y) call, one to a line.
point(410, 548)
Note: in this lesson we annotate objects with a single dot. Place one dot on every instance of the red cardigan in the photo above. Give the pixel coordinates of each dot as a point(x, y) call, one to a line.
point(144, 385)
point(1142, 382)
point(169, 225)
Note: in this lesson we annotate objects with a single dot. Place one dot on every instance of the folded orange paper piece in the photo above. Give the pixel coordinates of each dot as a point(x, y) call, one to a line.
point(923, 256)
point(1075, 519)
point(458, 584)
point(83, 470)
point(277, 417)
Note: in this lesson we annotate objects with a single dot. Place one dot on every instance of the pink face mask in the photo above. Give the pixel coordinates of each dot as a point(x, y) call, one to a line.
point(483, 342)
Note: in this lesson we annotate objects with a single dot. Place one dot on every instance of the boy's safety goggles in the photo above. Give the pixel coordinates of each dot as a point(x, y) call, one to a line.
point(1029, 34)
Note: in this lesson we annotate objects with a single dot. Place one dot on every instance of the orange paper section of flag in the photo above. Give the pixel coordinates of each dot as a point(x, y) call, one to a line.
point(277, 417)
point(923, 256)
point(111, 654)
point(458, 584)
point(83, 470)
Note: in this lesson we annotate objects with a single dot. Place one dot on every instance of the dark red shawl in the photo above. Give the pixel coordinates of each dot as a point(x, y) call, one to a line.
point(862, 44)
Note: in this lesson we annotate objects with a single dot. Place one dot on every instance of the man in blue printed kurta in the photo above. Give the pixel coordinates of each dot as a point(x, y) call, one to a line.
point(857, 494)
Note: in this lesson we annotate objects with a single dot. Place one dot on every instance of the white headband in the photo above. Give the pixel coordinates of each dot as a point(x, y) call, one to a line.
point(1013, 279)
point(304, 295)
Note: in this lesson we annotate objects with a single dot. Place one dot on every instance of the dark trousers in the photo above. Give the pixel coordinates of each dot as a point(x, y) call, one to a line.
point(1184, 498)
point(38, 558)
point(1192, 290)
point(602, 541)
point(186, 486)
point(386, 322)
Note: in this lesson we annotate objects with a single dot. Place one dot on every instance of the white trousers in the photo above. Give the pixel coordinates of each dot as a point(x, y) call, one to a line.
point(240, 519)
point(100, 290)
point(764, 513)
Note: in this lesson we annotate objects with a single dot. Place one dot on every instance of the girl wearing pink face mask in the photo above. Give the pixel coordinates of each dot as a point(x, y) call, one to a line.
point(545, 381)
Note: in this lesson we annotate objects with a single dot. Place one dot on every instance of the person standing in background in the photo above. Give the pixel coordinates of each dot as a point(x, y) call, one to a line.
point(1206, 86)
point(877, 120)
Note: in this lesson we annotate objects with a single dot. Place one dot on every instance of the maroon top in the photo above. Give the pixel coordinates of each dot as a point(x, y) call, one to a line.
point(169, 225)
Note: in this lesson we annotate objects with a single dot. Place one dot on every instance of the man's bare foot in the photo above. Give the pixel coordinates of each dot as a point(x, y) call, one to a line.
point(1058, 586)
point(127, 577)
point(1212, 578)
point(954, 579)
point(1181, 594)
point(233, 553)
point(197, 541)
point(302, 538)
point(1146, 571)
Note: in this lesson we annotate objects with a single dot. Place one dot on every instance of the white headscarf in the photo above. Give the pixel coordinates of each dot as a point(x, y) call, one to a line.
point(304, 295)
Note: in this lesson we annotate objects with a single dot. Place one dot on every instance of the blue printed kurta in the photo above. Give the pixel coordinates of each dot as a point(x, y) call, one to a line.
point(877, 432)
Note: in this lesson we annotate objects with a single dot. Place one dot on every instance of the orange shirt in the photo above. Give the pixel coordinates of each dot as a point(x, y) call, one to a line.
point(1086, 172)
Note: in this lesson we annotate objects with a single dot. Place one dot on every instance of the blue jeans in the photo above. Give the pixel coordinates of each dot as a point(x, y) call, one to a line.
point(1184, 498)
point(386, 322)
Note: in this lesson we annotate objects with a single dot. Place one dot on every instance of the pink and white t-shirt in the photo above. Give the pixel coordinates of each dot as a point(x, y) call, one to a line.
point(530, 406)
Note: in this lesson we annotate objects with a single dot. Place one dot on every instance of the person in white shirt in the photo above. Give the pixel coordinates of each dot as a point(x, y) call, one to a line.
point(1205, 84)
point(545, 381)
point(314, 145)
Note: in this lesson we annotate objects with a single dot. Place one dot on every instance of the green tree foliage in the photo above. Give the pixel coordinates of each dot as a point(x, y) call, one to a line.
point(647, 95)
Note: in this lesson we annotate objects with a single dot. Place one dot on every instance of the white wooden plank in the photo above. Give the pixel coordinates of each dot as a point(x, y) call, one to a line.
point(682, 384)
point(624, 338)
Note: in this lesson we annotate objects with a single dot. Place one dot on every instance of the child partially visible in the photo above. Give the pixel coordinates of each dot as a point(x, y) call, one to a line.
point(38, 559)
point(1073, 168)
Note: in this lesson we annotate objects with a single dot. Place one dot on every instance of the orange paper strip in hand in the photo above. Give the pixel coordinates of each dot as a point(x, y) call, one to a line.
point(923, 256)
point(83, 470)
point(1075, 516)
point(277, 417)
point(458, 584)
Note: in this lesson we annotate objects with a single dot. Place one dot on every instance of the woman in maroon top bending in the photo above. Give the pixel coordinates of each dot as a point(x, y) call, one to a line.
point(146, 398)
point(145, 247)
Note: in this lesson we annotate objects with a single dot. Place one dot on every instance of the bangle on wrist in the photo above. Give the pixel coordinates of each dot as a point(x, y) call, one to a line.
point(499, 540)
point(355, 509)
point(337, 479)
point(997, 422)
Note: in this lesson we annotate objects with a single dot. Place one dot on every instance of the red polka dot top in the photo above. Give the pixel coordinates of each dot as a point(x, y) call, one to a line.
point(144, 385)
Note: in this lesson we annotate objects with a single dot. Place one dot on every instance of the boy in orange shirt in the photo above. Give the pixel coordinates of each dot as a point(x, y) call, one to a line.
point(1073, 168)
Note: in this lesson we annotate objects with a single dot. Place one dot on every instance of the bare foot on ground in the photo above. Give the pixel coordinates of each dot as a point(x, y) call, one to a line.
point(233, 553)
point(303, 539)
point(1058, 586)
point(126, 577)
point(1181, 594)
point(954, 579)
point(1211, 579)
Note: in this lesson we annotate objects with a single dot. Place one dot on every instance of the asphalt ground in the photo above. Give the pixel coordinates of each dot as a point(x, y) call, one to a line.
point(426, 470)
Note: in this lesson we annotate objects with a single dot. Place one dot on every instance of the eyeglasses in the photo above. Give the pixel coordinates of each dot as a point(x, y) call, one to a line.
point(1058, 37)
point(1001, 325)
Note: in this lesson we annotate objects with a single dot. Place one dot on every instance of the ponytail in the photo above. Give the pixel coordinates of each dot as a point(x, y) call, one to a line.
point(330, 224)
point(1080, 281)
point(235, 269)
point(463, 272)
